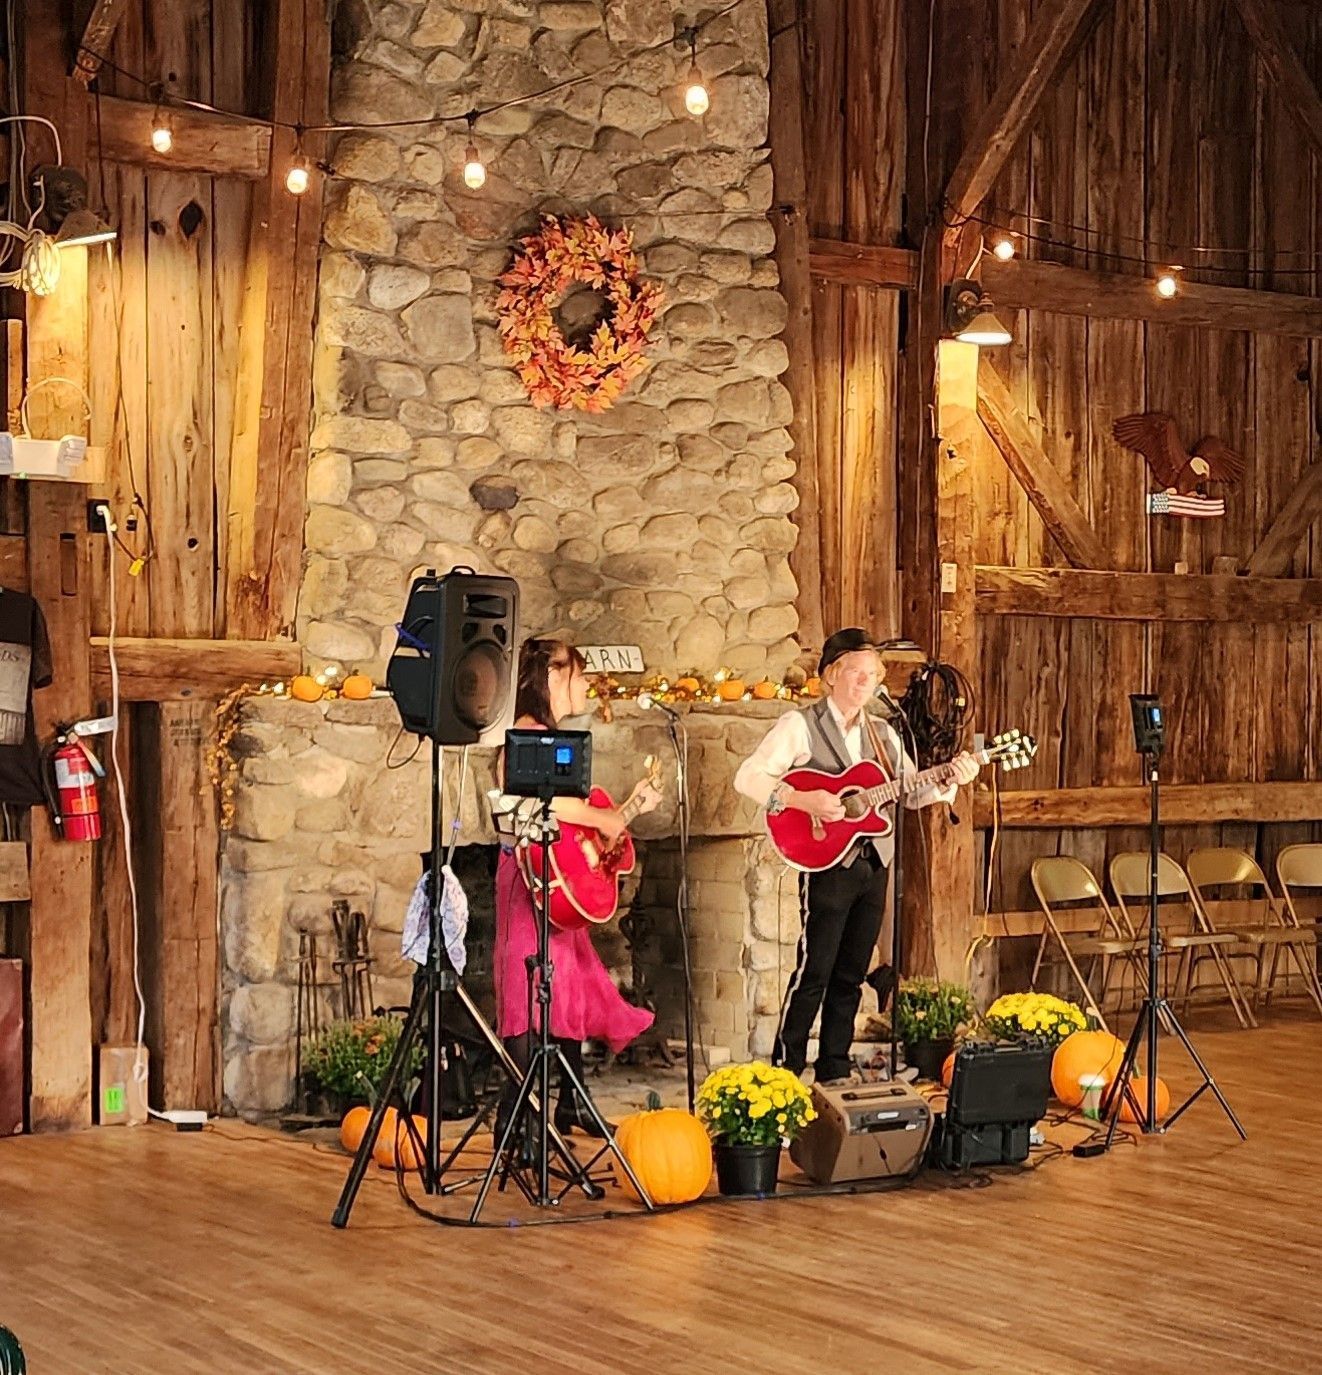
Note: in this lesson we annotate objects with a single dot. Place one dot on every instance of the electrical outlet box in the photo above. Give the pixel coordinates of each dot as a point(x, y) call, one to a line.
point(96, 521)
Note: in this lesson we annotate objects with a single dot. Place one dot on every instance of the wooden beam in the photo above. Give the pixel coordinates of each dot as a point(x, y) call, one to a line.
point(97, 35)
point(1303, 506)
point(1294, 86)
point(790, 221)
point(1182, 804)
point(1037, 475)
point(860, 264)
point(1109, 596)
point(273, 405)
point(219, 145)
point(1021, 284)
point(153, 670)
point(1050, 41)
point(181, 841)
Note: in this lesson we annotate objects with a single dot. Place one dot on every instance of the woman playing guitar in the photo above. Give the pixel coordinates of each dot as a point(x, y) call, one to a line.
point(842, 906)
point(553, 685)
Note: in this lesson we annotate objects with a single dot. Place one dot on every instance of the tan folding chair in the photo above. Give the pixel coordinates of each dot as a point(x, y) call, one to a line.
point(1187, 934)
point(1219, 868)
point(1299, 866)
point(1062, 883)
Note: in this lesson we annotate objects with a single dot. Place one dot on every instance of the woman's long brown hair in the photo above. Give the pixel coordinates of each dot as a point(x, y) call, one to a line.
point(537, 657)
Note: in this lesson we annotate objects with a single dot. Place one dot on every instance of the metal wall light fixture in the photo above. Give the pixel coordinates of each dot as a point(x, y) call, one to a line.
point(969, 315)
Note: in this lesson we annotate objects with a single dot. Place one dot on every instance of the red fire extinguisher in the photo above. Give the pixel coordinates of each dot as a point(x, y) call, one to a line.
point(78, 808)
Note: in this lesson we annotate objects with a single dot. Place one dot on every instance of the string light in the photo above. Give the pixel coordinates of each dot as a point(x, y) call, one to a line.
point(475, 175)
point(1168, 284)
point(299, 177)
point(696, 100)
point(1003, 248)
point(162, 136)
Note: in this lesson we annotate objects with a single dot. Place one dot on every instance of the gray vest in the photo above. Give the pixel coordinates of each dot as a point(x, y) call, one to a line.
point(826, 741)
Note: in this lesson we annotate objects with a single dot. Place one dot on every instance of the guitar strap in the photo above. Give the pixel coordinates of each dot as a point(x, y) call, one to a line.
point(882, 755)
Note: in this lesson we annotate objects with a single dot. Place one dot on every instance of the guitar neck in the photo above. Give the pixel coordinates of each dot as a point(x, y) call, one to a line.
point(937, 776)
point(630, 809)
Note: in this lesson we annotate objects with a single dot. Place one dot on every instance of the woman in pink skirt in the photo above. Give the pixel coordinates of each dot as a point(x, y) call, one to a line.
point(585, 1002)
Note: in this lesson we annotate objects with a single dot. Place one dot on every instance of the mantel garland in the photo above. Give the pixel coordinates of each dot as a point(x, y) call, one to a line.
point(568, 250)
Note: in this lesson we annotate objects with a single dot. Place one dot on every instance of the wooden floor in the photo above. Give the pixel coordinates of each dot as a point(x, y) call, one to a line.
point(144, 1251)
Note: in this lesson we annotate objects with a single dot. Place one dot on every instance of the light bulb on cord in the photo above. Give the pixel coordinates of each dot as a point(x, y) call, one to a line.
point(696, 100)
point(1167, 284)
point(1003, 248)
point(298, 177)
point(162, 140)
point(475, 175)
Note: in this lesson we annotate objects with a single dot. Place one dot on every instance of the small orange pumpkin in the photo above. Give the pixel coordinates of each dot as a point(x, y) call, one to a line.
point(305, 688)
point(687, 684)
point(812, 687)
point(668, 1149)
point(405, 1151)
point(731, 689)
point(352, 1126)
point(1140, 1091)
point(765, 690)
point(948, 1068)
point(1083, 1052)
point(356, 687)
point(384, 1150)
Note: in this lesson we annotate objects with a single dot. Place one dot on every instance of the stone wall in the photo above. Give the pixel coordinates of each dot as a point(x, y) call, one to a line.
point(664, 521)
point(320, 816)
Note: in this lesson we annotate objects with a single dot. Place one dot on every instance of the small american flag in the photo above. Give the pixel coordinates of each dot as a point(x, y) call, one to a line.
point(1192, 506)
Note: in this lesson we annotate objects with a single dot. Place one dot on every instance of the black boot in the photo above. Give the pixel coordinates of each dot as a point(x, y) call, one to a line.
point(570, 1112)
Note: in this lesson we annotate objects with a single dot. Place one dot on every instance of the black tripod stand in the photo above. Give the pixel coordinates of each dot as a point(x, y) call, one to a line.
point(423, 1025)
point(531, 1111)
point(1155, 1008)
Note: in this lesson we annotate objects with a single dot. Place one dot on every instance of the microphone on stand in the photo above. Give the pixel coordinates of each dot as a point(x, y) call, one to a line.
point(882, 695)
point(650, 703)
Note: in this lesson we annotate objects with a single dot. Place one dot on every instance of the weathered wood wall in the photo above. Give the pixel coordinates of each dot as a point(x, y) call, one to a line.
point(1164, 128)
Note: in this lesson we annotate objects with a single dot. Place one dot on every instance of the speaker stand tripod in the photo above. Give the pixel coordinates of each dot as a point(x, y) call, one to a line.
point(532, 1103)
point(1155, 1009)
point(433, 981)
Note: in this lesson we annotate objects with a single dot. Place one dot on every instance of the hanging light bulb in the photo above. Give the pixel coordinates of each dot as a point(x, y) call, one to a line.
point(1003, 248)
point(475, 175)
point(298, 177)
point(696, 100)
point(1168, 284)
point(162, 137)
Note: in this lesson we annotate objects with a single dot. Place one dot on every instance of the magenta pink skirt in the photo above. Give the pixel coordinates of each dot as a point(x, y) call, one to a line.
point(585, 1003)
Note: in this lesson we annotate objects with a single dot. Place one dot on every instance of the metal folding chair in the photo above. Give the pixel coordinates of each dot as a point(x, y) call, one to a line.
point(1224, 867)
point(1063, 884)
point(1299, 866)
point(1186, 930)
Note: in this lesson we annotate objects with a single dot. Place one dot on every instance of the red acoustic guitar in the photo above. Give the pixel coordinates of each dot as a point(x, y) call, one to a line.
point(586, 868)
point(810, 844)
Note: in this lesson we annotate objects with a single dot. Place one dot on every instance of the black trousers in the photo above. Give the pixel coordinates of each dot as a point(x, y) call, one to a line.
point(843, 909)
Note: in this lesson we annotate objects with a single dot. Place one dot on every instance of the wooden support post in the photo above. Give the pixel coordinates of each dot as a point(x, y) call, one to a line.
point(790, 220)
point(60, 920)
point(218, 145)
point(180, 846)
point(273, 406)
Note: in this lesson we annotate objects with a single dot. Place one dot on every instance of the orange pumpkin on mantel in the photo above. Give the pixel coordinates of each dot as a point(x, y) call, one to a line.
point(305, 688)
point(764, 691)
point(731, 689)
point(687, 684)
point(812, 687)
point(668, 1149)
point(357, 687)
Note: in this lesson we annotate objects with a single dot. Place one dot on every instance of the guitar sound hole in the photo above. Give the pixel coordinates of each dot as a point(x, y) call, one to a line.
point(854, 805)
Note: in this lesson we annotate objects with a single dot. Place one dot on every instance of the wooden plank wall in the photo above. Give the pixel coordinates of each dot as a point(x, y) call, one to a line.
point(164, 319)
point(854, 134)
point(1164, 127)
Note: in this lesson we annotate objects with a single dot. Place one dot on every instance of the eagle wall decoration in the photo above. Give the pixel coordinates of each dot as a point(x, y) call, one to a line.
point(1183, 476)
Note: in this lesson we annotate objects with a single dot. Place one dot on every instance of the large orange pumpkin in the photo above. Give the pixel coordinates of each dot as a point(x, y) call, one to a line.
point(948, 1068)
point(669, 1151)
point(1083, 1052)
point(352, 1126)
point(1140, 1089)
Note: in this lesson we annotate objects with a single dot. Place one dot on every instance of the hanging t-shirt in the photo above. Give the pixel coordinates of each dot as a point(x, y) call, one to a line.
point(25, 663)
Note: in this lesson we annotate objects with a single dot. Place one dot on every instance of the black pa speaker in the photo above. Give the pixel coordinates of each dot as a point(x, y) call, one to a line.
point(452, 673)
point(997, 1092)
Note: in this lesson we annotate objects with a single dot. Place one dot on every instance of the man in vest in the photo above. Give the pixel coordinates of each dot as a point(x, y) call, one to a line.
point(842, 906)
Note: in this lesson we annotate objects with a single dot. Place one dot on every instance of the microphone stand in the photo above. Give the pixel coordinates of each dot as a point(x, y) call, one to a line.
point(897, 871)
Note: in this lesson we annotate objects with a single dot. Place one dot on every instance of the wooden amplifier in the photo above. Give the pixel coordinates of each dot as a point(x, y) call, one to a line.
point(863, 1131)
